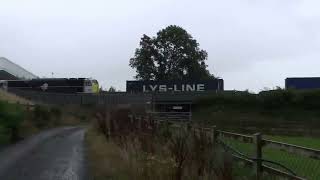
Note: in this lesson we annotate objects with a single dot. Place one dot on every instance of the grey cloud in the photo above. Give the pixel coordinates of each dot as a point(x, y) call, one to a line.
point(251, 44)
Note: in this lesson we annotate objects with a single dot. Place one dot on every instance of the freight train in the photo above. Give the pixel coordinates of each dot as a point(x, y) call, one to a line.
point(55, 85)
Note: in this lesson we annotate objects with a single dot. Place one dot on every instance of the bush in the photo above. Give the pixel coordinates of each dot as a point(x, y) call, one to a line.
point(265, 100)
point(309, 99)
point(156, 151)
point(44, 116)
point(56, 115)
point(11, 116)
point(229, 99)
point(41, 116)
point(276, 99)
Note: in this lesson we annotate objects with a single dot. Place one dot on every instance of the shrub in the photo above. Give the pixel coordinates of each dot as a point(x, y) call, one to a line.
point(11, 116)
point(162, 152)
point(276, 99)
point(309, 99)
point(180, 148)
point(265, 100)
point(56, 115)
point(41, 116)
point(229, 99)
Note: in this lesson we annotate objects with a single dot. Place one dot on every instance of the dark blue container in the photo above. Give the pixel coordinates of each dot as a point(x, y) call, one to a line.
point(302, 83)
point(175, 86)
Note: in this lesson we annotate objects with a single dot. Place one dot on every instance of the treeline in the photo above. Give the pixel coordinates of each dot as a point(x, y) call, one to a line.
point(265, 100)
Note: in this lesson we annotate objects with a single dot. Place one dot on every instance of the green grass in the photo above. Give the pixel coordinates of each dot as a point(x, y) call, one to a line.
point(300, 141)
point(302, 166)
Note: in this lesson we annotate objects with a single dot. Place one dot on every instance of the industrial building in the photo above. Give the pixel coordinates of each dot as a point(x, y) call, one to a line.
point(12, 71)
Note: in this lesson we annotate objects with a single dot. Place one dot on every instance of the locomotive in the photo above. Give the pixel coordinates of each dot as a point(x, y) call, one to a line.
point(53, 85)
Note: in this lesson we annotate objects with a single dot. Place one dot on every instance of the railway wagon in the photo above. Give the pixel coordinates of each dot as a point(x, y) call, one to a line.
point(174, 86)
point(303, 83)
point(54, 85)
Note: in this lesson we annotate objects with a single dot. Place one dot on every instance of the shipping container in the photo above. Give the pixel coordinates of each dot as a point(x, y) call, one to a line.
point(302, 83)
point(174, 86)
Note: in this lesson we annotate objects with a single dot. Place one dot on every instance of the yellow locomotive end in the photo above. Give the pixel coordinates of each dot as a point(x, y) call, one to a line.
point(95, 87)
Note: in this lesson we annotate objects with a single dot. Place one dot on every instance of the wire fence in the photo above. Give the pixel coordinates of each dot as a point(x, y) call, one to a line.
point(265, 158)
point(172, 116)
point(271, 159)
point(303, 161)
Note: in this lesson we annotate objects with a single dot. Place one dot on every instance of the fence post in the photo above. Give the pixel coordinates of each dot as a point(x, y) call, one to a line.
point(214, 134)
point(107, 117)
point(130, 116)
point(139, 123)
point(257, 167)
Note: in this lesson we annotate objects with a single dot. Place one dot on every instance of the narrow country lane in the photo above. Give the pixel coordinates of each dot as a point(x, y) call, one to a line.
point(57, 154)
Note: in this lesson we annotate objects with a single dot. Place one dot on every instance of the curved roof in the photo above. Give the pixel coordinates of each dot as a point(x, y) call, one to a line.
point(15, 70)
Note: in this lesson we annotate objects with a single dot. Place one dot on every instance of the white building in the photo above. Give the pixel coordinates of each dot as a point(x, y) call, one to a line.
point(15, 70)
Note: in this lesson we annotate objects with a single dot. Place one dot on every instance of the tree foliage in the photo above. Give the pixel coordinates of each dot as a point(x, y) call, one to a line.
point(172, 55)
point(112, 89)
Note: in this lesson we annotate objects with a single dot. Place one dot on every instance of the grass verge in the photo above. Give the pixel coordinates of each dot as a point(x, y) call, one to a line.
point(120, 148)
point(309, 142)
point(110, 161)
point(301, 165)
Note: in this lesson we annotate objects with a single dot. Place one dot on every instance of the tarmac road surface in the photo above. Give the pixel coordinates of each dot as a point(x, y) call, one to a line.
point(57, 154)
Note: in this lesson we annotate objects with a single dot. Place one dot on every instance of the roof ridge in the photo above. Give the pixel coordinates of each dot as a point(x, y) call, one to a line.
point(17, 68)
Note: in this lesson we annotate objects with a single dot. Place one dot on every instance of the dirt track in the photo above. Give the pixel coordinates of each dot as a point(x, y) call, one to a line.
point(57, 154)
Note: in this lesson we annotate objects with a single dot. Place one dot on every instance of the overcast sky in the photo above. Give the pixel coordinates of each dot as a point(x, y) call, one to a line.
point(252, 44)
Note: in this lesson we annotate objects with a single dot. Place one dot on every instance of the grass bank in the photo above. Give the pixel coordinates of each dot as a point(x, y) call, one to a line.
point(13, 99)
point(309, 142)
point(301, 165)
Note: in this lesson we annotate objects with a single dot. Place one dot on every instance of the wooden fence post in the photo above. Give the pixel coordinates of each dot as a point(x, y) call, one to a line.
point(131, 127)
point(257, 167)
point(214, 135)
point(167, 124)
point(107, 118)
point(130, 116)
point(139, 123)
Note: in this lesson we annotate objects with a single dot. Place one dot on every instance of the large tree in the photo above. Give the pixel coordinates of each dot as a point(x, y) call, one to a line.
point(172, 55)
